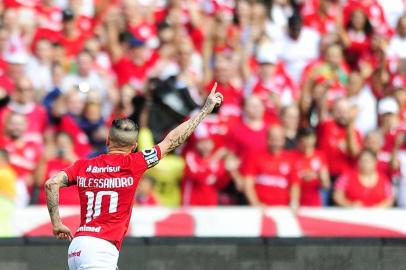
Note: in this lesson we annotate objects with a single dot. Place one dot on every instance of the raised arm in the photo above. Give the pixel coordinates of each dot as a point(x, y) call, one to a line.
point(52, 187)
point(179, 135)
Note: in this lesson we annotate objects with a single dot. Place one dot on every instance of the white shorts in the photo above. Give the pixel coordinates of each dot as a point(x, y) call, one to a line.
point(91, 253)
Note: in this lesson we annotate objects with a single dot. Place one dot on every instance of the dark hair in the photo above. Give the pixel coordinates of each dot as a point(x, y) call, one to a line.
point(368, 29)
point(294, 20)
point(305, 132)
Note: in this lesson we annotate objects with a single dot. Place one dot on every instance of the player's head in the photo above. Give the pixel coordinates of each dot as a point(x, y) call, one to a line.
point(123, 134)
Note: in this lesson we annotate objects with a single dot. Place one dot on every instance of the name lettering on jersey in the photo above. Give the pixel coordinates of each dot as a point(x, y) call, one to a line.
point(85, 228)
point(114, 182)
point(151, 157)
point(95, 169)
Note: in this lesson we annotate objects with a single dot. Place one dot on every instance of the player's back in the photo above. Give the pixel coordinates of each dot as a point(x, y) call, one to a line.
point(106, 187)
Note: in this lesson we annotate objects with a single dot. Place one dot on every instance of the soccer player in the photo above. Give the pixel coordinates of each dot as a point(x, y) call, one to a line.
point(107, 186)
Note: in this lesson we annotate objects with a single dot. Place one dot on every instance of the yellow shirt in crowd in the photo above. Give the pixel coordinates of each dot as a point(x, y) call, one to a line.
point(168, 173)
point(7, 182)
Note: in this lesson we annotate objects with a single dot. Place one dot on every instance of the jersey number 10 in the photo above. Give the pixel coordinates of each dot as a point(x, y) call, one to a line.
point(94, 205)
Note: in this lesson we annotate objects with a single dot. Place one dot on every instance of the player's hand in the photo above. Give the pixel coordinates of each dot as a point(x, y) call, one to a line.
point(213, 100)
point(62, 232)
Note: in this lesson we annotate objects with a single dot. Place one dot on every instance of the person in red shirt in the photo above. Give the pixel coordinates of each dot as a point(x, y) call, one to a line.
point(61, 121)
point(132, 65)
point(145, 195)
point(323, 19)
point(22, 102)
point(24, 154)
point(249, 133)
point(387, 161)
point(356, 37)
point(338, 139)
point(270, 176)
point(273, 85)
point(233, 94)
point(311, 168)
point(107, 186)
point(63, 157)
point(364, 186)
point(204, 172)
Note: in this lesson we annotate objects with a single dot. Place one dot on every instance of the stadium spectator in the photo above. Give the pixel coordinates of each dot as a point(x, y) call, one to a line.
point(270, 176)
point(364, 186)
point(397, 45)
point(39, 67)
point(7, 194)
point(93, 124)
point(311, 168)
point(23, 102)
point(24, 154)
point(298, 47)
point(145, 195)
point(61, 121)
point(364, 102)
point(204, 172)
point(290, 121)
point(62, 156)
point(387, 161)
point(272, 84)
point(338, 138)
point(249, 133)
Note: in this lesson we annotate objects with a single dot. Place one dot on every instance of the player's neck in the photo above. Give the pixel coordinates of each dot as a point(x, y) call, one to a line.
point(118, 150)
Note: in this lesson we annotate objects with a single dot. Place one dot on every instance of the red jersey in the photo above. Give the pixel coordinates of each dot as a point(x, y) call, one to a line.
point(24, 156)
point(107, 187)
point(308, 170)
point(67, 196)
point(273, 175)
point(202, 179)
point(242, 140)
point(350, 184)
point(80, 140)
point(35, 114)
point(135, 75)
point(332, 141)
point(233, 98)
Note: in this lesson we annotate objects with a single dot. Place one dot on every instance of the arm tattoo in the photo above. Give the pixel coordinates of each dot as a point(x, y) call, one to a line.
point(52, 195)
point(180, 134)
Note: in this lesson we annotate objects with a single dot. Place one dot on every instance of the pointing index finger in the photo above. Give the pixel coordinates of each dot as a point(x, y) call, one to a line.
point(213, 89)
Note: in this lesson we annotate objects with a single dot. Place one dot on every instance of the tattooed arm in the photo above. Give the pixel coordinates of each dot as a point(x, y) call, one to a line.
point(52, 187)
point(179, 135)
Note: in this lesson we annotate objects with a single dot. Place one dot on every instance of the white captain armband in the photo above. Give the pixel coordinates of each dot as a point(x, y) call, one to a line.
point(151, 157)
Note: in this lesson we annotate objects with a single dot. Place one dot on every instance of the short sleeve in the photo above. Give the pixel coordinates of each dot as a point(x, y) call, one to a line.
point(72, 172)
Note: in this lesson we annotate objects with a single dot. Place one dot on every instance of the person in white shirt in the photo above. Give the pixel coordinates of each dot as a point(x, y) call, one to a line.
point(298, 47)
point(360, 95)
point(39, 66)
point(397, 45)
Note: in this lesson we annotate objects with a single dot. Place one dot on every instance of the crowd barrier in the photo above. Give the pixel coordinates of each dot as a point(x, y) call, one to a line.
point(233, 222)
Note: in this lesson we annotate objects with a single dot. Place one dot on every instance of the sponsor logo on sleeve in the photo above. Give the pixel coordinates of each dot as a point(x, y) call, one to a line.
point(151, 157)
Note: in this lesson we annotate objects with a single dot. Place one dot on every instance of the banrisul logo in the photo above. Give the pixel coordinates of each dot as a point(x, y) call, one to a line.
point(95, 169)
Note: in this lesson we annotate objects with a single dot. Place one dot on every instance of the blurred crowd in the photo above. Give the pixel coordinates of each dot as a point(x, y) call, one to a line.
point(314, 97)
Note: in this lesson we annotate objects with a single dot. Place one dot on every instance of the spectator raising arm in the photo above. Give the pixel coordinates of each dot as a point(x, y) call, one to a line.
point(179, 135)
